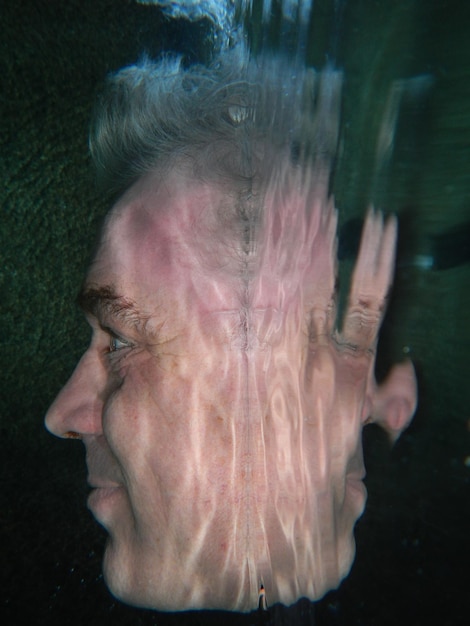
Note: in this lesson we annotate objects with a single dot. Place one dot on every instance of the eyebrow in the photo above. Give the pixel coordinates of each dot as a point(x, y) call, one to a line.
point(103, 302)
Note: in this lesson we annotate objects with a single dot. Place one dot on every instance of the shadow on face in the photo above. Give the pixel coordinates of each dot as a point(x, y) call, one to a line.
point(220, 407)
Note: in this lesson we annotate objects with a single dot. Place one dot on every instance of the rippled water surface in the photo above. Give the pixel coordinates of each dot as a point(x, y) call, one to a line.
point(405, 145)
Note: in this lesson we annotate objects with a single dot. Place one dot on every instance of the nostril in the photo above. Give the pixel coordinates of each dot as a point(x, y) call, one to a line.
point(71, 434)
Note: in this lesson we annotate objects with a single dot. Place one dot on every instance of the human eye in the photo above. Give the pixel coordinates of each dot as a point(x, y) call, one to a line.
point(116, 342)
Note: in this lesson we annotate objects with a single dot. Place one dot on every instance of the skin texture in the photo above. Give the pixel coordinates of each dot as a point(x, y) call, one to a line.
point(220, 408)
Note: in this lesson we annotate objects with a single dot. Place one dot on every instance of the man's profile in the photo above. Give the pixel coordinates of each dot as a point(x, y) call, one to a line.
point(220, 406)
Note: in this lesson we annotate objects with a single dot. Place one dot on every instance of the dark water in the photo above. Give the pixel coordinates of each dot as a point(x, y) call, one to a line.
point(413, 547)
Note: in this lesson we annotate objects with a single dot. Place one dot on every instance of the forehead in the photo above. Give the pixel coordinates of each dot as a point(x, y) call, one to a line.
point(169, 235)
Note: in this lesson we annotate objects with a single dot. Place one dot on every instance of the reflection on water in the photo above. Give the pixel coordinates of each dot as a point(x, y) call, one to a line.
point(412, 539)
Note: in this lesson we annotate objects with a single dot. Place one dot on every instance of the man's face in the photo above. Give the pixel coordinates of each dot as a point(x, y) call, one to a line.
point(220, 410)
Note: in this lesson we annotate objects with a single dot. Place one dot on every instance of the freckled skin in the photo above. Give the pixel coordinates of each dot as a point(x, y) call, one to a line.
point(233, 424)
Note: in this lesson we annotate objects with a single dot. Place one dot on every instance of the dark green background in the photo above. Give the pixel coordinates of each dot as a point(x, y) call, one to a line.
point(413, 545)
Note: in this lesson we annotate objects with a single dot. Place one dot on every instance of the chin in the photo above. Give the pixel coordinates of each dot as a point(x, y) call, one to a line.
point(152, 572)
point(141, 582)
point(132, 581)
point(117, 573)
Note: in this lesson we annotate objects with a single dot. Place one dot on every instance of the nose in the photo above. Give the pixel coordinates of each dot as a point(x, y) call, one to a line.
point(77, 409)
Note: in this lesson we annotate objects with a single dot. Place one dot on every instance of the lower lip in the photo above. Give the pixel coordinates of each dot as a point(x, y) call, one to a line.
point(102, 498)
point(357, 492)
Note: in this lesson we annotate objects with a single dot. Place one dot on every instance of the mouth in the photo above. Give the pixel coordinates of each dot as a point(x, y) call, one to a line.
point(103, 498)
point(356, 493)
point(358, 476)
point(99, 483)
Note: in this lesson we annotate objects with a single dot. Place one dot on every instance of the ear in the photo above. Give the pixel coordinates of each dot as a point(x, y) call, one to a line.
point(394, 401)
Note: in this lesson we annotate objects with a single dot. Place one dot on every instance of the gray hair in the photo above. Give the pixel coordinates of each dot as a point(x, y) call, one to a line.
point(231, 123)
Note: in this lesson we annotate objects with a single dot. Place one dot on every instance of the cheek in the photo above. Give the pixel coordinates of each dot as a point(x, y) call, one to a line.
point(164, 413)
point(132, 413)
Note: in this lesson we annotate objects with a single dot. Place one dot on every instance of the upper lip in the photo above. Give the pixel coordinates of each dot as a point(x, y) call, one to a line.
point(102, 483)
point(356, 475)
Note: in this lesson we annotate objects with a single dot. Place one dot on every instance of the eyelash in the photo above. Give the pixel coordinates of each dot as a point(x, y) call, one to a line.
point(115, 339)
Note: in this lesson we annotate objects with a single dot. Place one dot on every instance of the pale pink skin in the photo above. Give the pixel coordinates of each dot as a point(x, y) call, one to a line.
point(224, 436)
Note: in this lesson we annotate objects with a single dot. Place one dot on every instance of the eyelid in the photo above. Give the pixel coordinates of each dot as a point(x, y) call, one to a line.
point(114, 336)
point(113, 348)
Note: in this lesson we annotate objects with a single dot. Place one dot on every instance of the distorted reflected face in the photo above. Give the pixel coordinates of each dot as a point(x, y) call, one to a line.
point(220, 408)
